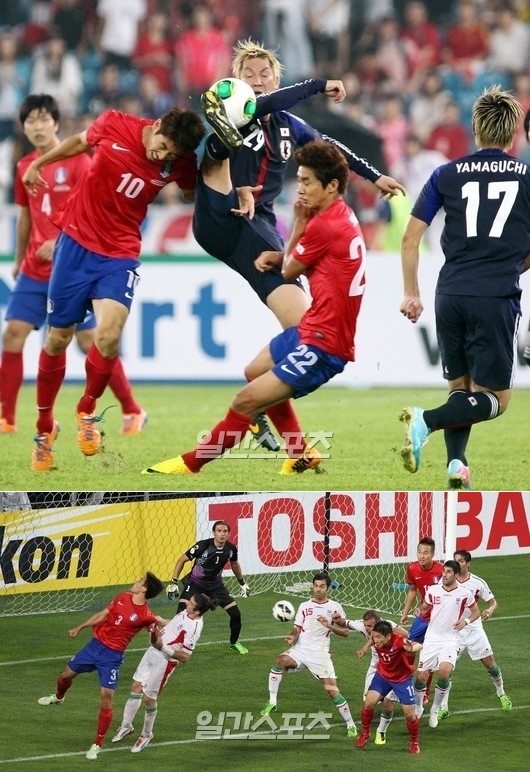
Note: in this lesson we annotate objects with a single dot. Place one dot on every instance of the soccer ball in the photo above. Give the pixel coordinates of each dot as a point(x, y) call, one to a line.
point(283, 611)
point(238, 98)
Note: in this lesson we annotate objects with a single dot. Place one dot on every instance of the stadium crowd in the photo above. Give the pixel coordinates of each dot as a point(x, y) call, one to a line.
point(412, 69)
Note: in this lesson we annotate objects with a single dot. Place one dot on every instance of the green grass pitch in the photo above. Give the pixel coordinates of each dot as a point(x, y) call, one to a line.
point(478, 736)
point(362, 425)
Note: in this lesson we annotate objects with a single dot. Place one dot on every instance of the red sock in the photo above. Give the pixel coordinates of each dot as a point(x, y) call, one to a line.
point(49, 380)
point(225, 435)
point(104, 721)
point(413, 727)
point(367, 715)
point(286, 422)
point(63, 684)
point(98, 373)
point(122, 389)
point(11, 375)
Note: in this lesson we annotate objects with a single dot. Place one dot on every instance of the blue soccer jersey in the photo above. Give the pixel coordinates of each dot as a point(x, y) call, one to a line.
point(486, 237)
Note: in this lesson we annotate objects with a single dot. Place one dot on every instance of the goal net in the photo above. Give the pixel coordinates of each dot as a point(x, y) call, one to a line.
point(69, 551)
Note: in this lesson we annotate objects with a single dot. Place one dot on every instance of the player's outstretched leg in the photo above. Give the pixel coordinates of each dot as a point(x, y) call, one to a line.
point(416, 435)
point(458, 476)
point(215, 113)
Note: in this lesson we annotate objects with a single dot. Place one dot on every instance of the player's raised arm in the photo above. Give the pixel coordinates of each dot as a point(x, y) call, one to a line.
point(69, 147)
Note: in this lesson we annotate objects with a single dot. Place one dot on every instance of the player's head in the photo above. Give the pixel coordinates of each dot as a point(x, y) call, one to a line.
point(257, 66)
point(321, 585)
point(451, 571)
point(153, 585)
point(176, 133)
point(425, 551)
point(220, 531)
point(382, 632)
point(322, 174)
point(200, 603)
point(370, 619)
point(463, 558)
point(496, 118)
point(39, 116)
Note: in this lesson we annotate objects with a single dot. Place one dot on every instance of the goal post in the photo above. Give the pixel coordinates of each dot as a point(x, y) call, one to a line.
point(70, 551)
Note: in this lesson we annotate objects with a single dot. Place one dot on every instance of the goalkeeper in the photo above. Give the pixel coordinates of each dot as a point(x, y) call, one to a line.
point(206, 576)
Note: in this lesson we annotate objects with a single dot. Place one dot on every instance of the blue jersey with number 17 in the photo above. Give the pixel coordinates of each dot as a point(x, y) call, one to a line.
point(486, 237)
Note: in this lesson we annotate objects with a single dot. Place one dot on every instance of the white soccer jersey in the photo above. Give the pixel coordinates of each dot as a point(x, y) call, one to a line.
point(480, 589)
point(448, 606)
point(181, 632)
point(314, 635)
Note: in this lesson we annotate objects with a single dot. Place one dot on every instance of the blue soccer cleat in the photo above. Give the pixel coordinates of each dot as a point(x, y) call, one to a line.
point(416, 435)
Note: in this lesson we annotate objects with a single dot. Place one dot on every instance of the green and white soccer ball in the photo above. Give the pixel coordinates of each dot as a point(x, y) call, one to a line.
point(283, 611)
point(238, 98)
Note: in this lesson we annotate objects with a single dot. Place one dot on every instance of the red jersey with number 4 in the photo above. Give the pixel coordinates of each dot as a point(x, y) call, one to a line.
point(332, 247)
point(124, 620)
point(61, 177)
point(106, 210)
point(394, 661)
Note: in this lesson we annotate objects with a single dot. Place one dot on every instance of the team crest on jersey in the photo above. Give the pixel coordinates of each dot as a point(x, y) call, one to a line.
point(61, 173)
point(133, 617)
point(286, 149)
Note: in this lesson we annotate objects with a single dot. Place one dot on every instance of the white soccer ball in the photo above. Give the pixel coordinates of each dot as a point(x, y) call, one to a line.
point(283, 611)
point(238, 98)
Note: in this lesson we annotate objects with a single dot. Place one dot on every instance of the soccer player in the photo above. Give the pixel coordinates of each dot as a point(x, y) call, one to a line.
point(97, 253)
point(309, 648)
point(327, 245)
point(421, 573)
point(486, 243)
point(36, 237)
point(258, 155)
point(113, 629)
point(451, 607)
point(393, 673)
point(365, 627)
point(172, 647)
point(473, 637)
point(206, 576)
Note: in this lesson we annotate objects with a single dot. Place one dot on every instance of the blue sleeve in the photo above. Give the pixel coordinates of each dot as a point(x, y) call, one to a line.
point(285, 98)
point(430, 199)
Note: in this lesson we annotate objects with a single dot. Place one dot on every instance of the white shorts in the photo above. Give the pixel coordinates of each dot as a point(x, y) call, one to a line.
point(319, 663)
point(153, 671)
point(474, 639)
point(437, 652)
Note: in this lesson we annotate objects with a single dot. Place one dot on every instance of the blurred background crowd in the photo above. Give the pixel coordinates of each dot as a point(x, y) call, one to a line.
point(412, 69)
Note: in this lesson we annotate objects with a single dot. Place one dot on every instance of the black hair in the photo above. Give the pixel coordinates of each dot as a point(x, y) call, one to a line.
point(44, 103)
point(220, 522)
point(203, 603)
point(322, 576)
point(383, 627)
point(465, 554)
point(453, 565)
point(183, 127)
point(153, 585)
point(326, 162)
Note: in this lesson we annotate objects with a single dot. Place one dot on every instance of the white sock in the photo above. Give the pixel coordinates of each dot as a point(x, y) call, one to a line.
point(384, 723)
point(131, 709)
point(275, 678)
point(445, 701)
point(149, 720)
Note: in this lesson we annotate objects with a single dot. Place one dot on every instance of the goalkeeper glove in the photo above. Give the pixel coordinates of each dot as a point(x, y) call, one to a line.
point(173, 590)
point(245, 590)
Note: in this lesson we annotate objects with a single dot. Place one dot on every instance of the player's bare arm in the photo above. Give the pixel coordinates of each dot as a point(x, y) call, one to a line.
point(412, 646)
point(411, 305)
point(388, 187)
point(333, 628)
point(338, 620)
point(95, 619)
point(490, 610)
point(69, 147)
point(23, 234)
point(411, 597)
point(267, 260)
point(365, 647)
point(247, 202)
point(45, 251)
point(335, 90)
point(179, 565)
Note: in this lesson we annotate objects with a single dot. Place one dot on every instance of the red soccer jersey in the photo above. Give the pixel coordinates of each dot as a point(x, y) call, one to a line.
point(332, 248)
point(422, 578)
point(61, 177)
point(125, 619)
point(107, 208)
point(394, 662)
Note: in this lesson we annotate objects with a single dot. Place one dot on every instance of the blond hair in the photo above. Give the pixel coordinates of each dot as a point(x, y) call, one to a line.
point(496, 118)
point(248, 49)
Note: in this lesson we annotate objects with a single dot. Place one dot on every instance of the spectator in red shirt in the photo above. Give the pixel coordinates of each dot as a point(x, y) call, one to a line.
point(154, 52)
point(466, 46)
point(450, 137)
point(421, 40)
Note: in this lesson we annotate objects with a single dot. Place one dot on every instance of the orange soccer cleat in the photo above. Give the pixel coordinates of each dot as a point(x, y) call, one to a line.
point(310, 459)
point(133, 423)
point(42, 456)
point(88, 437)
point(7, 428)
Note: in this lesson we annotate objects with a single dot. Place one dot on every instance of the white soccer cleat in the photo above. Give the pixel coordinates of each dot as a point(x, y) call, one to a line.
point(141, 743)
point(123, 731)
point(92, 752)
point(433, 718)
point(50, 699)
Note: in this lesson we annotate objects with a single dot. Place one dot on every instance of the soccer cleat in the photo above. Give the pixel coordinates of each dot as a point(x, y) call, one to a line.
point(506, 702)
point(123, 731)
point(133, 423)
point(458, 476)
point(380, 738)
point(50, 699)
point(6, 428)
point(270, 707)
point(263, 435)
point(239, 648)
point(310, 459)
point(215, 114)
point(92, 752)
point(433, 718)
point(171, 466)
point(42, 455)
point(363, 738)
point(88, 437)
point(352, 731)
point(414, 746)
point(416, 435)
point(141, 743)
point(442, 713)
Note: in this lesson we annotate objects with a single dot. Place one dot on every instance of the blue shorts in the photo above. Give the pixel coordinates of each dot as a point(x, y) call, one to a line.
point(418, 630)
point(80, 276)
point(477, 336)
point(96, 656)
point(404, 690)
point(302, 367)
point(27, 303)
point(237, 241)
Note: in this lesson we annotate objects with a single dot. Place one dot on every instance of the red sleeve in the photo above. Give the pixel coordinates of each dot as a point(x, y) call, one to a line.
point(21, 193)
point(95, 131)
